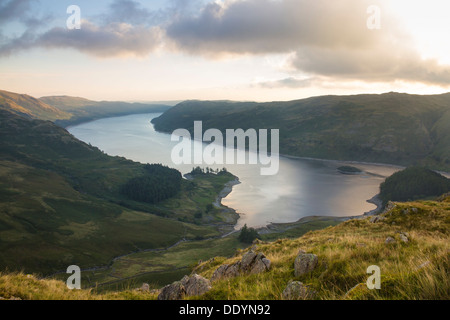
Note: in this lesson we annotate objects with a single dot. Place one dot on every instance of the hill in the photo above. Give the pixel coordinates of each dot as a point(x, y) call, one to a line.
point(25, 105)
point(390, 128)
point(413, 183)
point(61, 201)
point(409, 242)
point(83, 110)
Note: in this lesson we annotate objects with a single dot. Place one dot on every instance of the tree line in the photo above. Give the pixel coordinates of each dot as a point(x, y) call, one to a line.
point(158, 183)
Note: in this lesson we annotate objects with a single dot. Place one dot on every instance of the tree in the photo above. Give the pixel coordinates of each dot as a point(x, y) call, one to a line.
point(247, 235)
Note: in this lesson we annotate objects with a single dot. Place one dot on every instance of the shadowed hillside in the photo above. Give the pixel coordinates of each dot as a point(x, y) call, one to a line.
point(389, 128)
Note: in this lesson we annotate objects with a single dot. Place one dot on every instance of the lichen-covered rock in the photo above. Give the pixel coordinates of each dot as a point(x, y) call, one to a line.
point(195, 285)
point(174, 291)
point(219, 273)
point(295, 290)
point(233, 270)
point(304, 263)
point(247, 260)
point(250, 263)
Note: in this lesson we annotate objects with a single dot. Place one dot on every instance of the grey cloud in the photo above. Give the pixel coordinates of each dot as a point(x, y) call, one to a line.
point(115, 39)
point(12, 9)
point(328, 38)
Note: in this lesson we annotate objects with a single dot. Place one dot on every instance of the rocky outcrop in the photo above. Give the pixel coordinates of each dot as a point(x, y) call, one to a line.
point(304, 263)
point(251, 263)
point(194, 285)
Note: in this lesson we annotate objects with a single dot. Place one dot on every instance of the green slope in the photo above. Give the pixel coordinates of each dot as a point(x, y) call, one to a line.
point(389, 128)
point(59, 202)
point(25, 105)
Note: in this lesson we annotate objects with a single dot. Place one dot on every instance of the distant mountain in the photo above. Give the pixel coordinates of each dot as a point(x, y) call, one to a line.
point(83, 109)
point(25, 105)
point(388, 128)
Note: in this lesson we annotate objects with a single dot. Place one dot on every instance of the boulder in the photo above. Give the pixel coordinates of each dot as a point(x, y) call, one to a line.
point(195, 285)
point(250, 263)
point(174, 291)
point(304, 263)
point(295, 290)
point(247, 260)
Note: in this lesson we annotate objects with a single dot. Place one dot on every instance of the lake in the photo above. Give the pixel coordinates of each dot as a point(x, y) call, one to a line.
point(302, 187)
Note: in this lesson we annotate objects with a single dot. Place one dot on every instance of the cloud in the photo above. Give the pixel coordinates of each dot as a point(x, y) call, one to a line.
point(114, 39)
point(290, 82)
point(13, 9)
point(327, 38)
point(123, 31)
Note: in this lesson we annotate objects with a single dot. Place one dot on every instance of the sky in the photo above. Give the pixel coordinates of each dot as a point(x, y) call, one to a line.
point(246, 50)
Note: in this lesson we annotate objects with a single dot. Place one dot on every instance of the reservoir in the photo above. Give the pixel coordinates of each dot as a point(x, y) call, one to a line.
point(302, 187)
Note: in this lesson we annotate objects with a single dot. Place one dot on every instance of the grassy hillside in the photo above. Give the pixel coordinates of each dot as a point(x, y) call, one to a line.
point(389, 128)
point(25, 105)
point(82, 110)
point(416, 269)
point(61, 202)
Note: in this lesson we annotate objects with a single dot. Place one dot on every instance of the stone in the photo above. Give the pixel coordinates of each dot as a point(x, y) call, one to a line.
point(389, 240)
point(195, 285)
point(219, 273)
point(305, 263)
point(145, 287)
point(174, 291)
point(258, 267)
point(295, 290)
point(247, 260)
point(404, 237)
point(234, 270)
point(250, 263)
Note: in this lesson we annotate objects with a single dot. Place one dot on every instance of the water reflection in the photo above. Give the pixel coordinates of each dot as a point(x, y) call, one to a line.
point(301, 188)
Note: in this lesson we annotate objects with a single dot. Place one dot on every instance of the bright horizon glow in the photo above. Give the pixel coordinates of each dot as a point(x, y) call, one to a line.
point(169, 73)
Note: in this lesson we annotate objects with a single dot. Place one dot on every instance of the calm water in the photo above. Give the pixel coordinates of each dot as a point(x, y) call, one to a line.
point(301, 188)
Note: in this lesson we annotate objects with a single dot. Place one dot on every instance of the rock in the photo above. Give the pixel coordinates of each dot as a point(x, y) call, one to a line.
point(250, 263)
point(415, 210)
point(145, 287)
point(389, 240)
point(219, 273)
point(304, 263)
point(376, 219)
point(195, 285)
point(247, 260)
point(261, 264)
point(295, 290)
point(174, 291)
point(404, 237)
point(234, 270)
